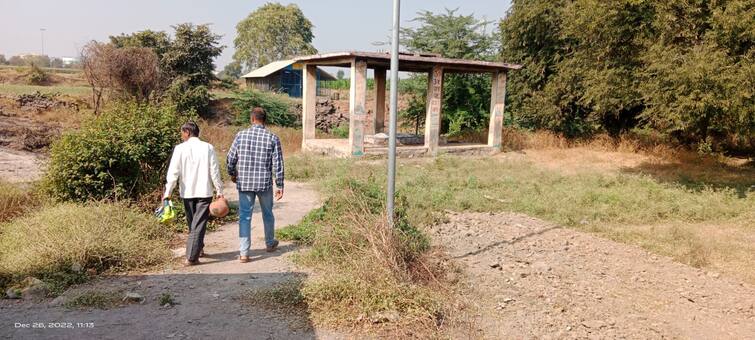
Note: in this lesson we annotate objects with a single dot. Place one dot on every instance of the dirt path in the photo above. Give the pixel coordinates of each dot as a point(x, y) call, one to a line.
point(20, 166)
point(208, 295)
point(531, 279)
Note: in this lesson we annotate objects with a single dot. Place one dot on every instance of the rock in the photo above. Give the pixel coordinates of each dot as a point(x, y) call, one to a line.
point(133, 297)
point(714, 275)
point(34, 288)
point(495, 265)
point(593, 324)
point(76, 268)
point(13, 293)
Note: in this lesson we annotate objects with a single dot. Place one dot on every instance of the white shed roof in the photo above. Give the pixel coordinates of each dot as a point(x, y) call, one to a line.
point(268, 69)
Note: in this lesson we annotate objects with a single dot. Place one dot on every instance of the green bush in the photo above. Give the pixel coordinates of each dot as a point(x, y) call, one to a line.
point(281, 110)
point(119, 154)
point(36, 75)
point(186, 98)
point(59, 244)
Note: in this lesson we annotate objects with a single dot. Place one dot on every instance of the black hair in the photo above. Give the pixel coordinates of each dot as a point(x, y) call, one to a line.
point(259, 114)
point(191, 128)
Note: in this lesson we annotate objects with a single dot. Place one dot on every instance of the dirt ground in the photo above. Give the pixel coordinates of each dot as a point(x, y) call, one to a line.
point(20, 166)
point(531, 279)
point(209, 296)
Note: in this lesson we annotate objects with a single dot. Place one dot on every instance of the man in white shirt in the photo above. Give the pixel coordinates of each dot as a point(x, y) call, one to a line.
point(196, 168)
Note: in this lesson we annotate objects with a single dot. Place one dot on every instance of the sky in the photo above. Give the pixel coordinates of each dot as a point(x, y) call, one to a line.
point(339, 25)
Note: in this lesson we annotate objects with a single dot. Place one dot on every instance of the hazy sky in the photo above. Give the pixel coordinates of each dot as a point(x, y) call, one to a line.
point(339, 24)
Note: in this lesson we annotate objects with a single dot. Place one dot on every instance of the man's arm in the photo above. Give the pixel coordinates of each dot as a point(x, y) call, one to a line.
point(174, 169)
point(278, 166)
point(232, 158)
point(215, 172)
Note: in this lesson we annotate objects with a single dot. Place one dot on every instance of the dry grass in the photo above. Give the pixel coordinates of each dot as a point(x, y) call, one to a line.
point(60, 243)
point(14, 201)
point(368, 274)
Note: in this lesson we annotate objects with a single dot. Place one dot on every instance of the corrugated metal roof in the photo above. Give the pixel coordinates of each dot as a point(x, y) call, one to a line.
point(269, 69)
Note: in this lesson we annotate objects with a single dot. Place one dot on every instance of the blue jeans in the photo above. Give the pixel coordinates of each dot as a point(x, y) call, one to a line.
point(246, 205)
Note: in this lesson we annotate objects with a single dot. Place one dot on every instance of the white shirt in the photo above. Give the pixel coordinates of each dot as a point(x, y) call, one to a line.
point(195, 164)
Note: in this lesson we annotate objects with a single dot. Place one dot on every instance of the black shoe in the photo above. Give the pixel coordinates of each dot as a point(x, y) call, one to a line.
point(272, 247)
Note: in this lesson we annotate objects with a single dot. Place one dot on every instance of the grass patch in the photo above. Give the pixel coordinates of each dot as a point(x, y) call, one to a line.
point(16, 89)
point(285, 295)
point(367, 270)
point(60, 244)
point(166, 299)
point(706, 225)
point(93, 300)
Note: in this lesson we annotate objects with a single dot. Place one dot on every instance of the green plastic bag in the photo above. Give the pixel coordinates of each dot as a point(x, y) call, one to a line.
point(166, 212)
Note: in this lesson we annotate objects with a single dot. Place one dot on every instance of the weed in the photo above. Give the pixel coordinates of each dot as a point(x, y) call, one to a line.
point(93, 300)
point(166, 299)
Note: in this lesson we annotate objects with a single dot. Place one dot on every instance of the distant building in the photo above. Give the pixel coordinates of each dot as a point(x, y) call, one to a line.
point(67, 61)
point(282, 76)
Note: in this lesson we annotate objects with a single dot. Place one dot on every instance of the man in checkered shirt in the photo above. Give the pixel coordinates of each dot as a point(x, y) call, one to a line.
point(254, 157)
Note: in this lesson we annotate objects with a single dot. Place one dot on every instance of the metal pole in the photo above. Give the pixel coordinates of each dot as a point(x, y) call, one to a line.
point(393, 114)
point(43, 40)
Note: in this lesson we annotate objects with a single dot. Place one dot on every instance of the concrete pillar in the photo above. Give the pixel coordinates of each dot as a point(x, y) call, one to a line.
point(434, 101)
point(309, 102)
point(379, 120)
point(497, 105)
point(357, 106)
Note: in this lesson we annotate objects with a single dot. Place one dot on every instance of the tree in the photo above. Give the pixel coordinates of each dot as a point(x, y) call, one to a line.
point(340, 74)
point(129, 72)
point(158, 41)
point(272, 32)
point(231, 71)
point(2, 60)
point(466, 97)
point(681, 68)
point(56, 63)
point(192, 52)
point(16, 61)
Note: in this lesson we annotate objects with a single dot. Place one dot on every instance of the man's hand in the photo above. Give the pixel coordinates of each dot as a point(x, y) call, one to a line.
point(219, 196)
point(278, 194)
point(233, 179)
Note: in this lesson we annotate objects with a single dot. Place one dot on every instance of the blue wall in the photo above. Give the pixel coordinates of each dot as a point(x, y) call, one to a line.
point(291, 81)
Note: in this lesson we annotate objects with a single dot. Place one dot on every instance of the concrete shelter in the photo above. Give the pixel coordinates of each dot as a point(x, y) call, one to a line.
point(362, 125)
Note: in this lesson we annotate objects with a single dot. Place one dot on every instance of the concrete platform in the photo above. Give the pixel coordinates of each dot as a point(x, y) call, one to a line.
point(340, 148)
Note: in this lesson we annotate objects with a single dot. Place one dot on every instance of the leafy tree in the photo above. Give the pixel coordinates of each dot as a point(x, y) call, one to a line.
point(682, 68)
point(231, 71)
point(466, 97)
point(158, 41)
point(272, 32)
point(185, 62)
point(2, 60)
point(340, 74)
point(191, 53)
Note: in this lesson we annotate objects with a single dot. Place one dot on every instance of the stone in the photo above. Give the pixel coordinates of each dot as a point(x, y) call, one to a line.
point(133, 297)
point(13, 293)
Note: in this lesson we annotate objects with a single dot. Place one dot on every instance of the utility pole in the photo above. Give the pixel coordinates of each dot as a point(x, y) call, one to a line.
point(42, 30)
point(393, 114)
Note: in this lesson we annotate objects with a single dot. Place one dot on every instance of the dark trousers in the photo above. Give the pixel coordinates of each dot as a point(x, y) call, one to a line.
point(197, 214)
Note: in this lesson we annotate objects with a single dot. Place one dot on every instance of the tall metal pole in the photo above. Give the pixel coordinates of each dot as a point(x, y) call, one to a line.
point(43, 40)
point(393, 114)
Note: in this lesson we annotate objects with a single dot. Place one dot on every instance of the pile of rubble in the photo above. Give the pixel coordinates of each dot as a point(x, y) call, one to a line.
point(327, 116)
point(24, 134)
point(40, 102)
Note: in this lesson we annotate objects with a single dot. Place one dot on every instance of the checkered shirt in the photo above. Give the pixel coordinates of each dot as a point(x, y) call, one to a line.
point(254, 156)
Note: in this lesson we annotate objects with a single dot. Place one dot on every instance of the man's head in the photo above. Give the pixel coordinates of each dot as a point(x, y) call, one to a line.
point(188, 130)
point(259, 117)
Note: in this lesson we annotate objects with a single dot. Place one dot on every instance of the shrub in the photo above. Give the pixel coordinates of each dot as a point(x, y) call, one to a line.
point(59, 244)
point(187, 98)
point(119, 154)
point(36, 76)
point(281, 110)
point(367, 267)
